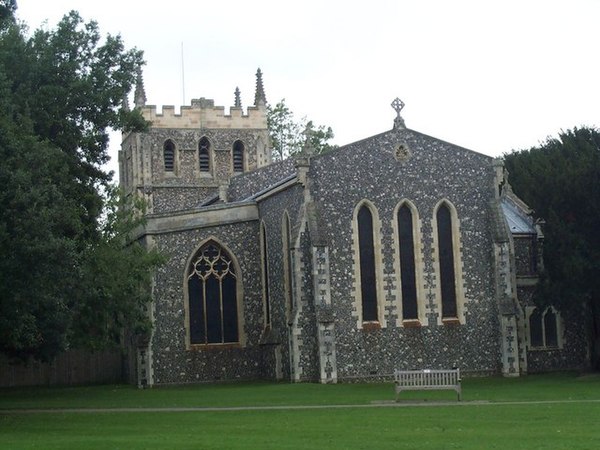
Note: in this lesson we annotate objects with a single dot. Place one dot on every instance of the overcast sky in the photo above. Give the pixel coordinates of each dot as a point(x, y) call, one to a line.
point(491, 76)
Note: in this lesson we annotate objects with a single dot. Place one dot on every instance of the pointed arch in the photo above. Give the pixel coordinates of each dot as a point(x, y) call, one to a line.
point(369, 296)
point(408, 263)
point(264, 252)
point(169, 156)
point(450, 298)
point(238, 155)
point(213, 296)
point(204, 155)
point(545, 328)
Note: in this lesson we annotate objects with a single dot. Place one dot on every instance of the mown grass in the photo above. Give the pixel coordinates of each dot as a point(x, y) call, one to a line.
point(487, 418)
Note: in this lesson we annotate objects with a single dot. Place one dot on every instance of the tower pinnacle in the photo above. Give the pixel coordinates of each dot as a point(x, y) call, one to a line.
point(139, 98)
point(259, 96)
point(237, 102)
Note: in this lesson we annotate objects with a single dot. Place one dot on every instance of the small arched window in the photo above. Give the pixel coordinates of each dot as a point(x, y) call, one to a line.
point(204, 154)
point(212, 293)
point(169, 155)
point(446, 261)
point(543, 329)
point(238, 156)
point(368, 280)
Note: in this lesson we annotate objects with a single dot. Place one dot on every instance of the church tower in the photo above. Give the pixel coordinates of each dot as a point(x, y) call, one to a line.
point(184, 160)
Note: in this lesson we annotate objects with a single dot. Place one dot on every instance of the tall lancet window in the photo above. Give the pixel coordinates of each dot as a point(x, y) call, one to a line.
point(238, 156)
point(204, 154)
point(265, 273)
point(407, 263)
point(368, 280)
point(212, 292)
point(286, 236)
point(446, 256)
point(169, 155)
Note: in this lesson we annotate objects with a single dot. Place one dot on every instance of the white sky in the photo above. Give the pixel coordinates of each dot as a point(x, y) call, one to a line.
point(491, 76)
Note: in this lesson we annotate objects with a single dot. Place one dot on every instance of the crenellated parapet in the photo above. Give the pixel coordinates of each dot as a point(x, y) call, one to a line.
point(204, 114)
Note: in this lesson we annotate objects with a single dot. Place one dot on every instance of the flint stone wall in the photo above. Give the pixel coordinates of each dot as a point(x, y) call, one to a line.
point(434, 170)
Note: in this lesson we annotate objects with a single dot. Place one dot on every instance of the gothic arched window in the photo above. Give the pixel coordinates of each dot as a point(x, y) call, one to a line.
point(446, 261)
point(543, 328)
point(169, 155)
point(204, 154)
point(368, 279)
point(212, 292)
point(407, 263)
point(238, 156)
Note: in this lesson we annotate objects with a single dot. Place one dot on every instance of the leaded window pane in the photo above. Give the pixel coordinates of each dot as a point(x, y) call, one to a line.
point(213, 311)
point(230, 316)
point(446, 253)
point(551, 333)
point(196, 306)
point(535, 329)
point(368, 283)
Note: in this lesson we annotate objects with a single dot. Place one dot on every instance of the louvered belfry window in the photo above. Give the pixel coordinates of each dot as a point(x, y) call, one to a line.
point(204, 154)
point(169, 156)
point(238, 156)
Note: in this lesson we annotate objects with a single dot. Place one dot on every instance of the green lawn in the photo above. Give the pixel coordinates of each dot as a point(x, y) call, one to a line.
point(491, 416)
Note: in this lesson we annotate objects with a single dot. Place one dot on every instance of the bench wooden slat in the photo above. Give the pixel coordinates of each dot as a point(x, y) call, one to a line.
point(427, 379)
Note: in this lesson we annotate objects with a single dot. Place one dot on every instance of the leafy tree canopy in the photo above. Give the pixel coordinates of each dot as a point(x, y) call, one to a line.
point(560, 180)
point(65, 278)
point(290, 137)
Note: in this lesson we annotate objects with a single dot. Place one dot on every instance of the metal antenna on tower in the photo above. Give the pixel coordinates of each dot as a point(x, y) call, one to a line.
point(182, 76)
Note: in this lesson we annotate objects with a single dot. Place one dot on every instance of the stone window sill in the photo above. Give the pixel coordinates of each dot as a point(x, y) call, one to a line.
point(371, 326)
point(214, 347)
point(452, 321)
point(412, 323)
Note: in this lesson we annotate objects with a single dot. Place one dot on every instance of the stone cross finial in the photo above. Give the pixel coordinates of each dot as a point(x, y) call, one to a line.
point(238, 102)
point(398, 104)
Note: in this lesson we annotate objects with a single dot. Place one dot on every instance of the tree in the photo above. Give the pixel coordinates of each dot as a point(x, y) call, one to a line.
point(290, 137)
point(7, 12)
point(60, 92)
point(560, 180)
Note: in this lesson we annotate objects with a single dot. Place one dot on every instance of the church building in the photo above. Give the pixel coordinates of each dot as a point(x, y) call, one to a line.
point(398, 251)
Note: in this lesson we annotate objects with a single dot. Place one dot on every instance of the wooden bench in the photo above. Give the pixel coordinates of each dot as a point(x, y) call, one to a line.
point(427, 379)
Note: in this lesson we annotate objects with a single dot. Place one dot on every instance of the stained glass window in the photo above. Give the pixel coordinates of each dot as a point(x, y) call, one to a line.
point(212, 290)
